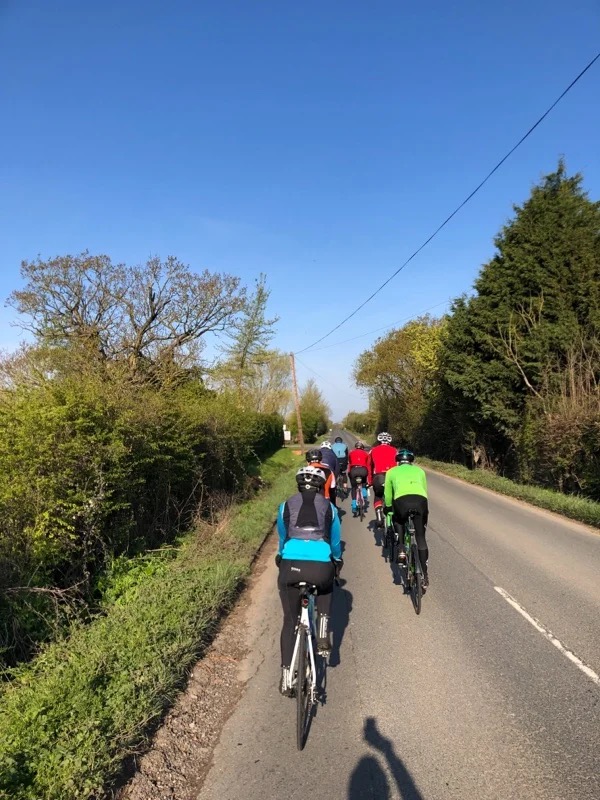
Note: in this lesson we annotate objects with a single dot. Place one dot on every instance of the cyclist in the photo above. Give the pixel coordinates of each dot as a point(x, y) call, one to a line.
point(340, 448)
point(359, 465)
point(314, 458)
point(330, 458)
point(383, 457)
point(309, 550)
point(406, 488)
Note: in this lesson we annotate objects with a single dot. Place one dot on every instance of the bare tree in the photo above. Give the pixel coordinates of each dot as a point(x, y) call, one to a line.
point(156, 312)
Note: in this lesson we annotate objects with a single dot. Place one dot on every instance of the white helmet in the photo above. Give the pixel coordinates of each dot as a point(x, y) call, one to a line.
point(310, 478)
point(384, 438)
point(326, 443)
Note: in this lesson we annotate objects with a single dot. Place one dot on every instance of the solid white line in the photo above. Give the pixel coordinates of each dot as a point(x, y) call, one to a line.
point(550, 636)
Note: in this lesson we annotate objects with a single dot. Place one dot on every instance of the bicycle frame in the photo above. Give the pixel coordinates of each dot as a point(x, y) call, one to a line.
point(410, 539)
point(306, 627)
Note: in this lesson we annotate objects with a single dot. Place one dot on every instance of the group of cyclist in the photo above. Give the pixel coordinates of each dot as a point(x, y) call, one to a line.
point(309, 526)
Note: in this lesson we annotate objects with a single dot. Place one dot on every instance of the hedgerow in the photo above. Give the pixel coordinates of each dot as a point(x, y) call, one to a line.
point(91, 469)
point(70, 717)
point(577, 508)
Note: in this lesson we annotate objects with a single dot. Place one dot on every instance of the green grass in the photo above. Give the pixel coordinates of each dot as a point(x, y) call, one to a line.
point(577, 508)
point(70, 718)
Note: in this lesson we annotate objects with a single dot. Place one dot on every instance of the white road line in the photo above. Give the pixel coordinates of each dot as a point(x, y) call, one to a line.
point(550, 636)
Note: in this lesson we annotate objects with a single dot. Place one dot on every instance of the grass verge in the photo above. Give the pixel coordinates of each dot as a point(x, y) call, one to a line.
point(577, 508)
point(70, 718)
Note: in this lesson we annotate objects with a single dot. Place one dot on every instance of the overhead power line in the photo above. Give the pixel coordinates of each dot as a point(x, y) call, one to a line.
point(383, 328)
point(458, 208)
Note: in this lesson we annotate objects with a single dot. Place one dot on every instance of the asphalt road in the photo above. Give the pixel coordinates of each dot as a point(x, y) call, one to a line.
point(469, 700)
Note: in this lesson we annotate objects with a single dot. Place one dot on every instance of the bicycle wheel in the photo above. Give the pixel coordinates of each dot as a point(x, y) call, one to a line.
point(361, 506)
point(416, 588)
point(302, 692)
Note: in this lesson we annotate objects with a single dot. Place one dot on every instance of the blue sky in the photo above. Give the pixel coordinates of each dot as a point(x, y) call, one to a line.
point(319, 142)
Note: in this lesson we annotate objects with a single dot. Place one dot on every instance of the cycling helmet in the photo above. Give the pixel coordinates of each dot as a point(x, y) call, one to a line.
point(405, 456)
point(339, 440)
point(314, 455)
point(310, 478)
point(326, 444)
point(360, 446)
point(384, 438)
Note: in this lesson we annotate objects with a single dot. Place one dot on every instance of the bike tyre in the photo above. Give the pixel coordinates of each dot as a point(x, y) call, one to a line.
point(417, 580)
point(302, 693)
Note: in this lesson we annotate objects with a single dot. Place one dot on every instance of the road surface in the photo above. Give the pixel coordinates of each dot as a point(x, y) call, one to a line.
point(492, 693)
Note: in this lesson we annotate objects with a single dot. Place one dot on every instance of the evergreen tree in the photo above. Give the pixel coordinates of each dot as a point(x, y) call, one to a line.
point(538, 294)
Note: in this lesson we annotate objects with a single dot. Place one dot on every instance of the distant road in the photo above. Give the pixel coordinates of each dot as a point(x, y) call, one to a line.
point(491, 694)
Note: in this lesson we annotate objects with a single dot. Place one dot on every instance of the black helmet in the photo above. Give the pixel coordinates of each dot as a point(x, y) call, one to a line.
point(310, 479)
point(360, 446)
point(405, 456)
point(314, 455)
point(339, 439)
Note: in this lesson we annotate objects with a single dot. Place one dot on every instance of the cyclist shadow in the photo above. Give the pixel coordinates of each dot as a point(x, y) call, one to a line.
point(369, 779)
point(342, 608)
point(378, 533)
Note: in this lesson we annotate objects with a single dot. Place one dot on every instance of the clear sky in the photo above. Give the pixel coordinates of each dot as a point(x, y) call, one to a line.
point(319, 142)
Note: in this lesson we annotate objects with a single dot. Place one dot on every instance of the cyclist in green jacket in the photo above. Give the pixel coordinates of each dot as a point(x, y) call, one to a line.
point(406, 488)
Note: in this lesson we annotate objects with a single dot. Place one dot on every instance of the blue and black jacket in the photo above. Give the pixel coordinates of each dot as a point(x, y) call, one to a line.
point(341, 452)
point(309, 528)
point(329, 457)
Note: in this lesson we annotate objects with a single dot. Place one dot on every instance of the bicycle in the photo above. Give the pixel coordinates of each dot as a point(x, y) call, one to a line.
point(414, 570)
point(303, 668)
point(390, 541)
point(359, 497)
point(412, 565)
point(343, 485)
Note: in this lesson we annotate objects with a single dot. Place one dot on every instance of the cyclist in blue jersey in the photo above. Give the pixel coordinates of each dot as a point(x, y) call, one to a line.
point(340, 448)
point(310, 550)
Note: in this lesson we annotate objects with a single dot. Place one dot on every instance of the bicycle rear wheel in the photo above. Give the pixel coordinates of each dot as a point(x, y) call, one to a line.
point(416, 589)
point(302, 692)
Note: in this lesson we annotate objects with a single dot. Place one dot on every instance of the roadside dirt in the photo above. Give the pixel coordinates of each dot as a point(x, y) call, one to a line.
point(175, 766)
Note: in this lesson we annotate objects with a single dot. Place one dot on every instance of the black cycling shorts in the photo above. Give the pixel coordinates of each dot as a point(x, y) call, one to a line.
point(378, 484)
point(358, 472)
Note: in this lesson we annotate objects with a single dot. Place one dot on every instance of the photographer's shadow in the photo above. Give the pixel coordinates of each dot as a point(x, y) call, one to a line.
point(369, 778)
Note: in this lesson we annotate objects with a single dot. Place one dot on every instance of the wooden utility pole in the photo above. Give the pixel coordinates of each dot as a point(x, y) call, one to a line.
point(297, 403)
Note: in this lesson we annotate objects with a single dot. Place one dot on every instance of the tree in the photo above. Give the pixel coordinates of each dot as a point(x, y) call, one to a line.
point(511, 342)
point(153, 314)
point(259, 377)
point(400, 372)
point(361, 422)
point(269, 384)
point(251, 331)
point(314, 413)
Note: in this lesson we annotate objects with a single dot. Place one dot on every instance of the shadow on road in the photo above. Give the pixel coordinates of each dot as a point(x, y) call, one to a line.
point(369, 779)
point(342, 608)
point(378, 533)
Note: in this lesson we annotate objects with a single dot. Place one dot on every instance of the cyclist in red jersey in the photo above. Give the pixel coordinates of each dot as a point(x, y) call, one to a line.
point(359, 465)
point(383, 457)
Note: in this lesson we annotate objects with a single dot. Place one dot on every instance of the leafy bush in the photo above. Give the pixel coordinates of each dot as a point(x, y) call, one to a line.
point(92, 469)
point(69, 718)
